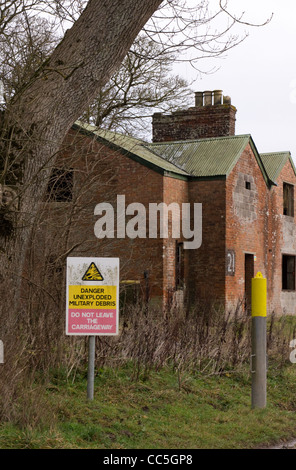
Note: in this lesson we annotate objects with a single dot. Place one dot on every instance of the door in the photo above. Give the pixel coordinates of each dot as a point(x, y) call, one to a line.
point(249, 274)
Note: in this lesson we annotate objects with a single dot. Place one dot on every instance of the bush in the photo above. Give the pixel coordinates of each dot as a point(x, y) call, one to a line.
point(205, 339)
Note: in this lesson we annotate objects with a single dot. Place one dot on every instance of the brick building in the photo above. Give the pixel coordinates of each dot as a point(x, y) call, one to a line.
point(248, 218)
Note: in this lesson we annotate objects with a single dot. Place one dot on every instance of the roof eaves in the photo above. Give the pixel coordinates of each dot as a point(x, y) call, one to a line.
point(207, 178)
point(292, 163)
point(178, 176)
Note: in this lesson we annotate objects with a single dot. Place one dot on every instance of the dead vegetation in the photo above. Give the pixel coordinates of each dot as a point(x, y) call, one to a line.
point(204, 340)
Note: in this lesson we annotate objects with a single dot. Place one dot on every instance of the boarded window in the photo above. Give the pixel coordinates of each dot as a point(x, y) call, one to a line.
point(288, 272)
point(60, 185)
point(288, 191)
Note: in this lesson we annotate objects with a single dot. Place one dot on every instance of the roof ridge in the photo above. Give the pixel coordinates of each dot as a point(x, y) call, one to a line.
point(204, 139)
point(97, 130)
point(281, 152)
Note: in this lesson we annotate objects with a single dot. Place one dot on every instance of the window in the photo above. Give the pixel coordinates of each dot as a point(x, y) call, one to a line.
point(248, 185)
point(288, 199)
point(288, 272)
point(179, 266)
point(60, 185)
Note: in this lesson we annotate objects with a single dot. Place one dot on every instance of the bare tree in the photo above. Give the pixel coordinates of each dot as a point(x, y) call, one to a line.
point(57, 91)
point(23, 51)
point(33, 128)
point(143, 81)
point(143, 84)
point(44, 102)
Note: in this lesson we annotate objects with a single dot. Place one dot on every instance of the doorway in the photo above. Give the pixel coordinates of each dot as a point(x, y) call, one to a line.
point(249, 274)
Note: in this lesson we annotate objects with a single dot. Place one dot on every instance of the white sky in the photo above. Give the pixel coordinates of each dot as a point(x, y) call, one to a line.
point(260, 75)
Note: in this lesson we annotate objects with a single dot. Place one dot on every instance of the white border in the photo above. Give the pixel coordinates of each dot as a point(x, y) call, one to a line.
point(76, 268)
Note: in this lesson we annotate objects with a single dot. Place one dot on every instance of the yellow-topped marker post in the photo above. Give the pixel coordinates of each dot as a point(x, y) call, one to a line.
point(258, 358)
point(259, 296)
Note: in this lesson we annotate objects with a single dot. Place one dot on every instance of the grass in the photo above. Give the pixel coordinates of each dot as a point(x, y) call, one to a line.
point(163, 411)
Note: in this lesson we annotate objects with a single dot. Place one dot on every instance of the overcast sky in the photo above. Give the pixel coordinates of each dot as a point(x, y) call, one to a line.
point(260, 76)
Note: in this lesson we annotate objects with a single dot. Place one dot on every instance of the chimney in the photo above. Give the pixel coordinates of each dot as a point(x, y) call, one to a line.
point(212, 116)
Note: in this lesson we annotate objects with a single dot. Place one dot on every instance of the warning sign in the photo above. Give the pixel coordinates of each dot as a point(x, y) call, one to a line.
point(92, 308)
point(92, 274)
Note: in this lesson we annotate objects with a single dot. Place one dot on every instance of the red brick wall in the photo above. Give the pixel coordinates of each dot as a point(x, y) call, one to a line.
point(282, 231)
point(247, 222)
point(207, 264)
point(254, 218)
point(174, 191)
point(100, 174)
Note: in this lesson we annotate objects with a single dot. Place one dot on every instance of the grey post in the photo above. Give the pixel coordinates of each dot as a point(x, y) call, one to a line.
point(258, 362)
point(91, 367)
point(259, 357)
point(1, 352)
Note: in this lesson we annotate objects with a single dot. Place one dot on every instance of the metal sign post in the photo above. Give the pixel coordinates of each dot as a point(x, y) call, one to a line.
point(91, 367)
point(1, 352)
point(92, 303)
point(258, 358)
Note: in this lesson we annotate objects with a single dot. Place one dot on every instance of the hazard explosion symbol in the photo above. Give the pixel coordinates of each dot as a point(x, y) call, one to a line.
point(92, 274)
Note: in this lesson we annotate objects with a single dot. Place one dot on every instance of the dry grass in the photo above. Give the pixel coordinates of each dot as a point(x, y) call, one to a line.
point(207, 340)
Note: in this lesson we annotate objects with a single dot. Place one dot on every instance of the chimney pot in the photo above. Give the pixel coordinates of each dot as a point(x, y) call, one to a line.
point(207, 98)
point(217, 96)
point(198, 99)
point(226, 100)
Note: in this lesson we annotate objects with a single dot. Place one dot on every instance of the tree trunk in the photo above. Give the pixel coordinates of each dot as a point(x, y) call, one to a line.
point(63, 87)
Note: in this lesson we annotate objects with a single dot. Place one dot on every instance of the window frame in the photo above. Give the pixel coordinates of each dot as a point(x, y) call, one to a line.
point(60, 185)
point(288, 275)
point(288, 199)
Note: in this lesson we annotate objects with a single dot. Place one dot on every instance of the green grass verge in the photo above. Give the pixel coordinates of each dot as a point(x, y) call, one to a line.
point(161, 412)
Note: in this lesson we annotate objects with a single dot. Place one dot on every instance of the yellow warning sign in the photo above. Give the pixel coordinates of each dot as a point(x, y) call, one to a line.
point(89, 297)
point(92, 274)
